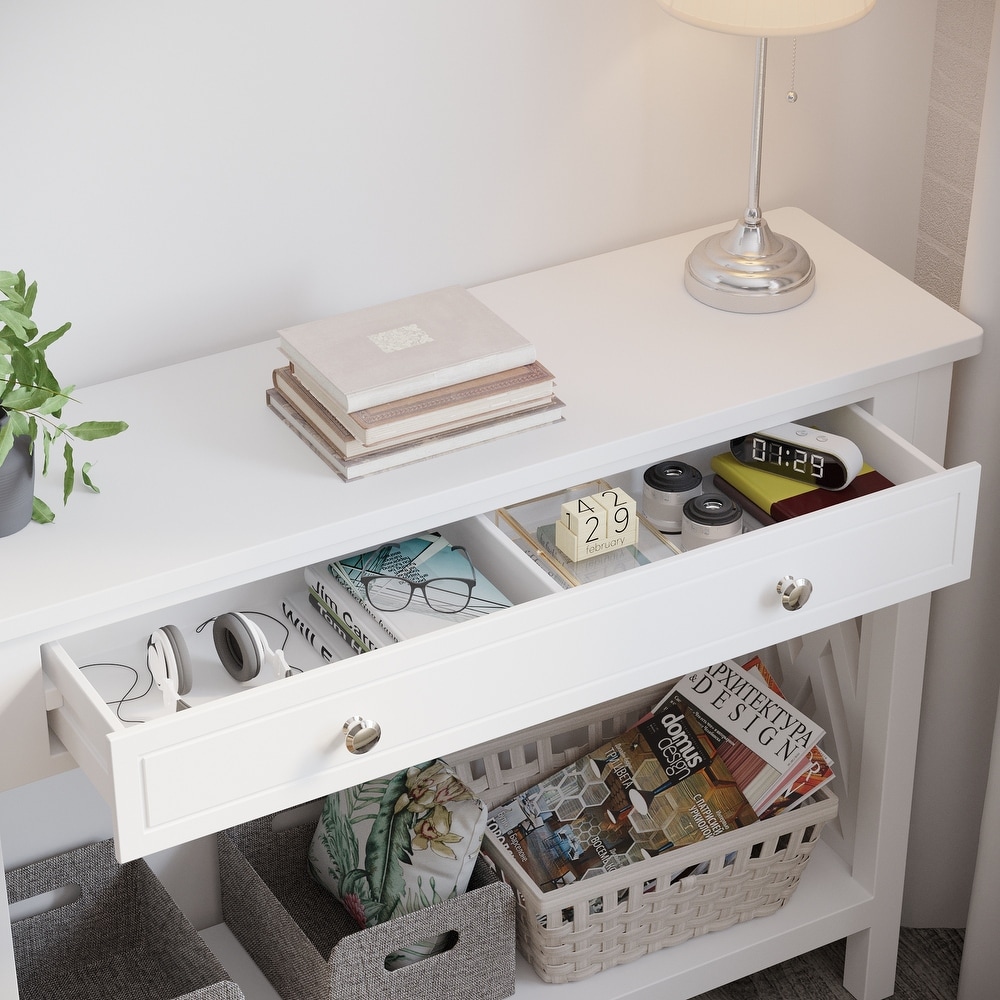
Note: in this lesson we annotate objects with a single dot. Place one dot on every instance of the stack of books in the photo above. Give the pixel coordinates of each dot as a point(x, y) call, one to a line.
point(380, 387)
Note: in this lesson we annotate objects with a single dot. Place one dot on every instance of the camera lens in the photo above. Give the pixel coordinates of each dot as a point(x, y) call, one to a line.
point(666, 487)
point(708, 518)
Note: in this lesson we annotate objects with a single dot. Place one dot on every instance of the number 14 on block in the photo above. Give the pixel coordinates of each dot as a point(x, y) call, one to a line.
point(596, 523)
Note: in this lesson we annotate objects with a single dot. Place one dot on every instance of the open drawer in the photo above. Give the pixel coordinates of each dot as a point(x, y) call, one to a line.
point(557, 650)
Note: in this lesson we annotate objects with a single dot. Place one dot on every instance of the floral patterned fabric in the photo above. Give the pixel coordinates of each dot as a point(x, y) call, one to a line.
point(399, 843)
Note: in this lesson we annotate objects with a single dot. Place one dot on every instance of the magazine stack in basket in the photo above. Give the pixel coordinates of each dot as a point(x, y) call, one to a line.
point(618, 847)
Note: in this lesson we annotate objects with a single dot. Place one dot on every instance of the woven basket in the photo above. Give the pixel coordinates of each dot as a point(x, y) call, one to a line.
point(122, 938)
point(308, 947)
point(579, 929)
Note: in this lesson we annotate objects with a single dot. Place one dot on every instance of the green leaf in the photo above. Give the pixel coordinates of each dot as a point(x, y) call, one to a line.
point(6, 440)
point(41, 512)
point(53, 404)
point(8, 344)
point(26, 398)
point(44, 378)
point(29, 294)
point(44, 343)
point(21, 422)
point(91, 430)
point(46, 447)
point(22, 366)
point(70, 474)
point(388, 848)
point(9, 286)
point(87, 480)
point(355, 883)
point(339, 838)
point(20, 325)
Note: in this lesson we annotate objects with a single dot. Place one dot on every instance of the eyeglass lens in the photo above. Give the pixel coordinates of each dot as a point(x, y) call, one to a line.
point(444, 595)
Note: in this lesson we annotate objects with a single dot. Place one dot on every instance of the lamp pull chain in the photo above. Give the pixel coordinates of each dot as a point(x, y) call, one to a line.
point(792, 95)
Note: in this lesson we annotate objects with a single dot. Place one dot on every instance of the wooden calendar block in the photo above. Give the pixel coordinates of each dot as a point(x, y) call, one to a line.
point(569, 544)
point(621, 510)
point(585, 518)
point(597, 523)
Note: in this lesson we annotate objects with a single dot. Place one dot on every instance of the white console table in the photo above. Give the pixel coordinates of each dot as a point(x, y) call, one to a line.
point(209, 501)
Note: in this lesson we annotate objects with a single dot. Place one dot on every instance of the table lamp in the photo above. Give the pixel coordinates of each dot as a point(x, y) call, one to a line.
point(751, 269)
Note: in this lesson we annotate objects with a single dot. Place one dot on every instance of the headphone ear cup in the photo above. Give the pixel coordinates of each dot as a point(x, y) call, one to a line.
point(240, 645)
point(178, 657)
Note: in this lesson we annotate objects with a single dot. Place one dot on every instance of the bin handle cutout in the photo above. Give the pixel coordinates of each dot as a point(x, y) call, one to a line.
point(45, 902)
point(441, 943)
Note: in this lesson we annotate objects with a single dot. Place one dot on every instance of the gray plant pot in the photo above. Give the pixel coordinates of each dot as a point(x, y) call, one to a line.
point(17, 484)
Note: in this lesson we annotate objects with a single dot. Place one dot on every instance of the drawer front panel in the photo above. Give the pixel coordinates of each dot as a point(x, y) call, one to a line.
point(182, 777)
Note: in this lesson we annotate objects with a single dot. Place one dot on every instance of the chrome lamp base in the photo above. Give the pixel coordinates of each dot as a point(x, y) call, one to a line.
point(750, 269)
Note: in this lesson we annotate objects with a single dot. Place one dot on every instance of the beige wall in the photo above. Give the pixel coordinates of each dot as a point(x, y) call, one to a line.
point(961, 55)
point(958, 718)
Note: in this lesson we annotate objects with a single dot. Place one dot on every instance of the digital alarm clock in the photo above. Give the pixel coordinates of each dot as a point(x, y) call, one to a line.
point(801, 453)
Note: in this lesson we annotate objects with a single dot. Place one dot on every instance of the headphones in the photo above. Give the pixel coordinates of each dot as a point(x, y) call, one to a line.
point(240, 644)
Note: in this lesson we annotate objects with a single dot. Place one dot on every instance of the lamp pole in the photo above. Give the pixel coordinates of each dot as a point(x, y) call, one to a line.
point(750, 268)
point(753, 216)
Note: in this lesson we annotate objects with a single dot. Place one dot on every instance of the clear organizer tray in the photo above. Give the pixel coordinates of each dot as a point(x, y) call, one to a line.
point(531, 527)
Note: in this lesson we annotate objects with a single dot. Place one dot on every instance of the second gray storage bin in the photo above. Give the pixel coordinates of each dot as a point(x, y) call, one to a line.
point(309, 948)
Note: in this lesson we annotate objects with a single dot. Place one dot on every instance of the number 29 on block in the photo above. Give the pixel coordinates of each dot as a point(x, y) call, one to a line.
point(596, 523)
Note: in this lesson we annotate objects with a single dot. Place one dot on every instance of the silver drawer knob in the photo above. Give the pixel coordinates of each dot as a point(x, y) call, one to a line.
point(360, 734)
point(794, 593)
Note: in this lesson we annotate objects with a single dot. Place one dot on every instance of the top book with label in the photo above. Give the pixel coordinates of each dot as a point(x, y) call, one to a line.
point(383, 353)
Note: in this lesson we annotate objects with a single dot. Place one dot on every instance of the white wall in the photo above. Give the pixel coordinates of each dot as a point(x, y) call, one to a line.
point(181, 178)
point(184, 177)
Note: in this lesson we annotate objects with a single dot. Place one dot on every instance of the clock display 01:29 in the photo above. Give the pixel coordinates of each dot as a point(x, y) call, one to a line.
point(804, 464)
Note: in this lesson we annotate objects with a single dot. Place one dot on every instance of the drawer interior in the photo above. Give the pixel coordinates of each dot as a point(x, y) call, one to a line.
point(173, 778)
point(529, 525)
point(111, 661)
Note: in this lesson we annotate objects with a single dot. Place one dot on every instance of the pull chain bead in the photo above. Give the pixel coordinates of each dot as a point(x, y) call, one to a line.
point(792, 96)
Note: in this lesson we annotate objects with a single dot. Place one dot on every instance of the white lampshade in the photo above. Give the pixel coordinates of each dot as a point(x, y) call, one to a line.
point(768, 17)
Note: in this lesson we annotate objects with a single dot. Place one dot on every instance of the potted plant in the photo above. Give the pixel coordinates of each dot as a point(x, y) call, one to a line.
point(31, 405)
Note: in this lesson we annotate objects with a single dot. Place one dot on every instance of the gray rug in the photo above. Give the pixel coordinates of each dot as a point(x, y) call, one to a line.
point(928, 967)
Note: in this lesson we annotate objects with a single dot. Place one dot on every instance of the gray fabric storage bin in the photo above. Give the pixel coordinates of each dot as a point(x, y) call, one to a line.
point(309, 948)
point(123, 938)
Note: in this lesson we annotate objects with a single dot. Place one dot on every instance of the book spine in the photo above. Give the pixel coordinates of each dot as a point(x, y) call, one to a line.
point(342, 602)
point(817, 775)
point(302, 624)
point(345, 584)
point(348, 634)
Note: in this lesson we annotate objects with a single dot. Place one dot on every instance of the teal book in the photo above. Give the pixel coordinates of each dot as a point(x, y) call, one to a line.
point(418, 585)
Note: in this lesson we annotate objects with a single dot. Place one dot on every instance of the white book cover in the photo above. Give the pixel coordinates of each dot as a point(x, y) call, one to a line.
point(386, 352)
point(772, 740)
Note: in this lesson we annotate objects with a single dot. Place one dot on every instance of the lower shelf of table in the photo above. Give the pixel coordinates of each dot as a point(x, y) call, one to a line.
point(828, 905)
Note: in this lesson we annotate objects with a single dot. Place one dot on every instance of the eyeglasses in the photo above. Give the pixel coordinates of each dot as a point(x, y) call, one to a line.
point(444, 594)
